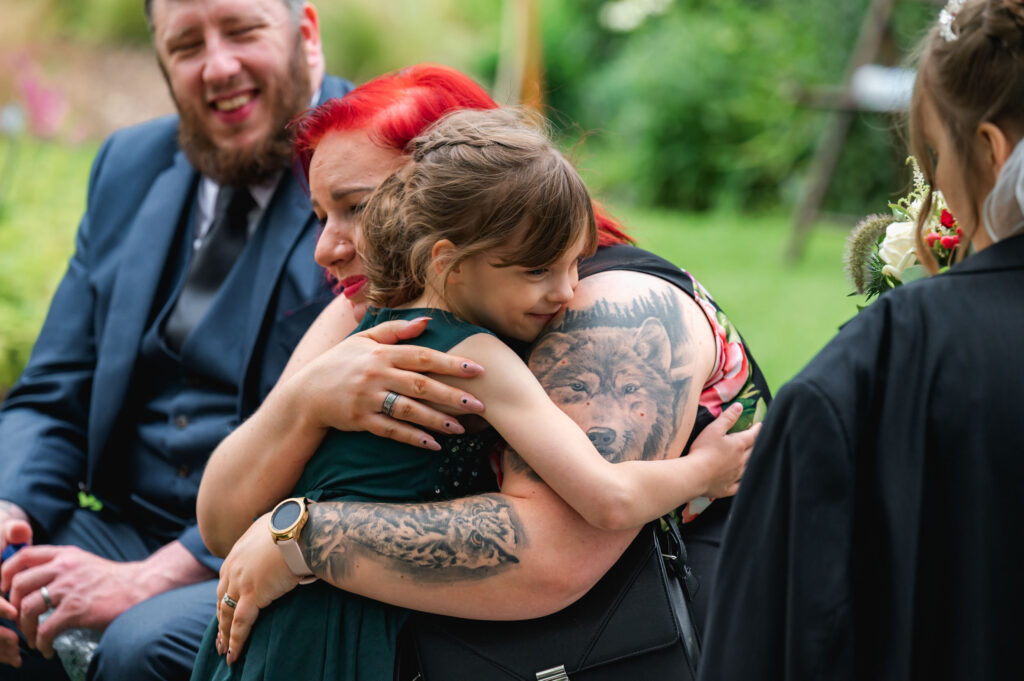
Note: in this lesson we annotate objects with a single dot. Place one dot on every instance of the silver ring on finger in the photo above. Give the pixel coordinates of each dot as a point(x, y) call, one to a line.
point(230, 602)
point(389, 403)
point(45, 593)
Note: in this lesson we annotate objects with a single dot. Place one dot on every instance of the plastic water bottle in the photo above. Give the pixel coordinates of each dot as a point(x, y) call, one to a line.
point(74, 647)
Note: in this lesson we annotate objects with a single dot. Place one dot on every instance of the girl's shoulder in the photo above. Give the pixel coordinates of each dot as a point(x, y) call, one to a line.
point(444, 330)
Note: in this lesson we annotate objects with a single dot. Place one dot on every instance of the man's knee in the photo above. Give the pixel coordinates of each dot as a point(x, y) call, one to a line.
point(157, 640)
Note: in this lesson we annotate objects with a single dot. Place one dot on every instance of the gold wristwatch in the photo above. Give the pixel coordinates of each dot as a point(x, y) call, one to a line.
point(286, 522)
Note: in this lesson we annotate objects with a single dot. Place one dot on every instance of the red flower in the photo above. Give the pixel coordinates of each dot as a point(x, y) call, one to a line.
point(931, 238)
point(946, 219)
point(959, 232)
point(949, 242)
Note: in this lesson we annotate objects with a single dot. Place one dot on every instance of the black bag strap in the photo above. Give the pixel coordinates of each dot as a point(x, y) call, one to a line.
point(673, 550)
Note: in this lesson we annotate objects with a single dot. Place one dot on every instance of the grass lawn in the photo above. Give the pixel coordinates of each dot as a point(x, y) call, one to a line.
point(786, 313)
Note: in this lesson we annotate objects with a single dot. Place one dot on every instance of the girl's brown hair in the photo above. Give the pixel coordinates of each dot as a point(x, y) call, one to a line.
point(486, 180)
point(977, 78)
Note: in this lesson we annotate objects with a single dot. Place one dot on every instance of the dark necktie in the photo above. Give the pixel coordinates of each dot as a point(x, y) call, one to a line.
point(210, 263)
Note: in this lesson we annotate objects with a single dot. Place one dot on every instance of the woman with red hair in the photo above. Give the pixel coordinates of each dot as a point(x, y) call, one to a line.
point(393, 109)
point(632, 311)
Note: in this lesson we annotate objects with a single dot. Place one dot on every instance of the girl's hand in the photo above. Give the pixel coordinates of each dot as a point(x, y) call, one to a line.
point(723, 454)
point(254, 575)
point(347, 385)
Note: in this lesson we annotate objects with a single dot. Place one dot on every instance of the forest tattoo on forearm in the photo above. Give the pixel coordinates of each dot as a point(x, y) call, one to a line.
point(466, 538)
point(621, 372)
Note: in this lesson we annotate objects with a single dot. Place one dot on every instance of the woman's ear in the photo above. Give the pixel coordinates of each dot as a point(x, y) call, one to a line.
point(441, 254)
point(996, 148)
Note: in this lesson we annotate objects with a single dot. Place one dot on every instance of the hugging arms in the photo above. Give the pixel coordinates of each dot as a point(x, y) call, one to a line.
point(517, 553)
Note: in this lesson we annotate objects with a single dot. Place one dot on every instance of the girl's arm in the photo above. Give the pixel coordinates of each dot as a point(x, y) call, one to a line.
point(518, 554)
point(619, 382)
point(329, 382)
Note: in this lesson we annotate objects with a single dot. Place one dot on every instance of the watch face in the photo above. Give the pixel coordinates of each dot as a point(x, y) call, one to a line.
point(286, 515)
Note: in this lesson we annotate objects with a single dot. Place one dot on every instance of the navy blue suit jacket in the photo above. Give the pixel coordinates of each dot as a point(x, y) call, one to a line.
point(56, 424)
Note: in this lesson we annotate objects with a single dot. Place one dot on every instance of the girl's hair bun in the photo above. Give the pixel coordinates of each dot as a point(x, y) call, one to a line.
point(1004, 22)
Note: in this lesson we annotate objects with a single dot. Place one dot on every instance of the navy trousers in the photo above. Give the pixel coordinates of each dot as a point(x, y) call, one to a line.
point(156, 640)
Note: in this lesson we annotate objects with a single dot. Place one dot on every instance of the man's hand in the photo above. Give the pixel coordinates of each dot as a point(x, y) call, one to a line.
point(14, 529)
point(86, 590)
point(365, 367)
point(254, 575)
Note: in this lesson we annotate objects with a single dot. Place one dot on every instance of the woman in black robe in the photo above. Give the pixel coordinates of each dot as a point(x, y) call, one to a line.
point(877, 533)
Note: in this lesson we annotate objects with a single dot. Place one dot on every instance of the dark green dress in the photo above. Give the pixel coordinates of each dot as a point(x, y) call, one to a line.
point(318, 631)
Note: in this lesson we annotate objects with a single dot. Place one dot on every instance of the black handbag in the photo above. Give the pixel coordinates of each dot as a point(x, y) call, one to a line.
point(635, 624)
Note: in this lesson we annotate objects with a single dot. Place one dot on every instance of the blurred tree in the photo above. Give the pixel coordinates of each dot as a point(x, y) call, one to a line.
point(693, 99)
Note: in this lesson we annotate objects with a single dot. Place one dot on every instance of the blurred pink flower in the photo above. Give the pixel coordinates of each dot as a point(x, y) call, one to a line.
point(45, 105)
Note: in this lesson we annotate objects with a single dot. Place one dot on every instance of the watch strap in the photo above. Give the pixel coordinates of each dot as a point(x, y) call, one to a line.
point(295, 560)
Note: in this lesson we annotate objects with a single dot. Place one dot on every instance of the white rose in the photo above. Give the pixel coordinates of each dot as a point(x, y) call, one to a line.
point(897, 249)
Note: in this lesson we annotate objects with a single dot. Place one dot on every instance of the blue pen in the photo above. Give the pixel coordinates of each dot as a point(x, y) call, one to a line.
point(9, 551)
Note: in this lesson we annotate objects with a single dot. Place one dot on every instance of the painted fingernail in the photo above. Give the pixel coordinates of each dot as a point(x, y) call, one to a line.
point(472, 403)
point(419, 319)
point(431, 444)
point(472, 366)
point(454, 426)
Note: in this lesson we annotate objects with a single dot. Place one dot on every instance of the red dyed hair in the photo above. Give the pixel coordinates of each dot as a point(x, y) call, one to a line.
point(395, 108)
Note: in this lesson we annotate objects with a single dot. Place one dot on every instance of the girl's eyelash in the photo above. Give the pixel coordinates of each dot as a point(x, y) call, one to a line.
point(358, 208)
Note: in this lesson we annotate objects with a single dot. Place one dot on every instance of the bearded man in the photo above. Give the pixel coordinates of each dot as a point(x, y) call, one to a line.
point(191, 282)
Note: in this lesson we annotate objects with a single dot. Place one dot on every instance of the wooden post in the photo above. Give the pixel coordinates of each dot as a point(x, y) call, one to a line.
point(520, 77)
point(869, 43)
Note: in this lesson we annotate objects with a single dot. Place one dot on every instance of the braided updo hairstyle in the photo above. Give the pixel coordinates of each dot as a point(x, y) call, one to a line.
point(976, 78)
point(486, 180)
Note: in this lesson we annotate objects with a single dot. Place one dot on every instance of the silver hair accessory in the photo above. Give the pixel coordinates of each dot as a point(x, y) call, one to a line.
point(946, 17)
point(1003, 211)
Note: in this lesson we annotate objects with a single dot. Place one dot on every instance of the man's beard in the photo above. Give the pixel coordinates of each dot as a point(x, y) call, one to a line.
point(252, 165)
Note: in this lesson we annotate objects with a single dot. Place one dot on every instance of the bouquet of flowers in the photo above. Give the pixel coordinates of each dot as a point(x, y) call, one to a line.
point(881, 252)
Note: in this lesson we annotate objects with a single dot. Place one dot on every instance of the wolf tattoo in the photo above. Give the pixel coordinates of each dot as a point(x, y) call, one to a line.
point(619, 379)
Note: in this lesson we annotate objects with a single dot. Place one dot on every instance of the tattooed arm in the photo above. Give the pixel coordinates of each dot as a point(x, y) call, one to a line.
point(611, 366)
point(524, 552)
point(259, 463)
point(518, 554)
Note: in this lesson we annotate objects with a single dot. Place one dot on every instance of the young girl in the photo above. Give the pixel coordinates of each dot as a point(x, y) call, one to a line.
point(481, 230)
point(883, 498)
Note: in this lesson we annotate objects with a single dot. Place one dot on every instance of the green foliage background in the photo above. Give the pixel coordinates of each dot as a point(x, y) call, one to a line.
point(37, 228)
point(687, 125)
point(693, 109)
